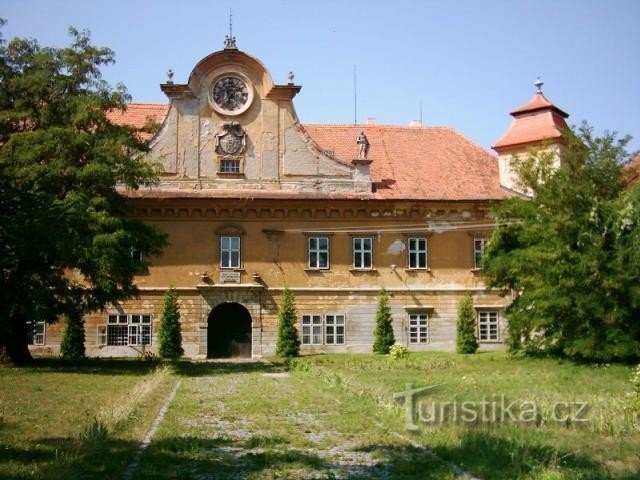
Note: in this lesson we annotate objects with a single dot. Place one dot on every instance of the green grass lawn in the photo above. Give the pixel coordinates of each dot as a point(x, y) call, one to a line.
point(61, 420)
point(325, 416)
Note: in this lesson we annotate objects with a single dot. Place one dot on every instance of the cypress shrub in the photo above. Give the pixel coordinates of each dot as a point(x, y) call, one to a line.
point(288, 344)
point(383, 333)
point(170, 335)
point(466, 341)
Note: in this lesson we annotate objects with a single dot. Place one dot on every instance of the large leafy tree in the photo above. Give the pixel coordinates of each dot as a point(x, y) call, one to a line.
point(570, 255)
point(66, 234)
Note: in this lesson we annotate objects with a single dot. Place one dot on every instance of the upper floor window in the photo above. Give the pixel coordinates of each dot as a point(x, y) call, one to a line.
point(318, 252)
point(479, 244)
point(36, 333)
point(488, 330)
point(362, 253)
point(229, 252)
point(417, 252)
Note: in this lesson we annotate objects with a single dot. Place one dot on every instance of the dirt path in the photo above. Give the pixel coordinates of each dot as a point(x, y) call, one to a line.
point(245, 422)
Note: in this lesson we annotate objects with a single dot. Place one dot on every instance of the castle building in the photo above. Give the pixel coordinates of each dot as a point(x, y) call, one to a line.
point(253, 201)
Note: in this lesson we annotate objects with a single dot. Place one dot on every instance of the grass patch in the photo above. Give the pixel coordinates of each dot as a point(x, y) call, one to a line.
point(62, 420)
point(605, 446)
point(332, 416)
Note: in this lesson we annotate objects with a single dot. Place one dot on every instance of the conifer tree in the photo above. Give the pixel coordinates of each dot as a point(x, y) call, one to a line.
point(72, 345)
point(170, 336)
point(383, 333)
point(288, 344)
point(466, 341)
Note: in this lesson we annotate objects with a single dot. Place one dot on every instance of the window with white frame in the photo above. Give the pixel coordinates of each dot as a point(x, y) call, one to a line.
point(134, 330)
point(488, 330)
point(417, 252)
point(419, 328)
point(36, 333)
point(334, 329)
point(323, 329)
point(137, 254)
point(312, 330)
point(229, 165)
point(479, 243)
point(318, 252)
point(362, 253)
point(229, 252)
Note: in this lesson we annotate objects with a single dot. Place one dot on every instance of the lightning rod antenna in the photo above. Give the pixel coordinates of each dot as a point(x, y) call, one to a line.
point(355, 96)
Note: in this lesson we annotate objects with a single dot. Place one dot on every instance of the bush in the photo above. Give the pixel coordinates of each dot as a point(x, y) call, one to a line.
point(398, 352)
point(383, 333)
point(170, 336)
point(466, 341)
point(72, 344)
point(288, 344)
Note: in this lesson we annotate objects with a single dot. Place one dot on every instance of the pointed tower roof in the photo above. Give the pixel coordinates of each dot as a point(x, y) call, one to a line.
point(535, 121)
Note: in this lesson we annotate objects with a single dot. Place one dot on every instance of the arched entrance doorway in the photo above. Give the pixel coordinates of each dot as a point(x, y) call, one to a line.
point(229, 331)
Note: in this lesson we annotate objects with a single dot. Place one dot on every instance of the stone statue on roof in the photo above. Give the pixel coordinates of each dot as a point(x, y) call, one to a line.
point(363, 145)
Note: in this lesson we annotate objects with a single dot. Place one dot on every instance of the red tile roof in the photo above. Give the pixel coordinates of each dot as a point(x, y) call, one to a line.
point(136, 114)
point(535, 121)
point(417, 163)
point(633, 171)
point(408, 163)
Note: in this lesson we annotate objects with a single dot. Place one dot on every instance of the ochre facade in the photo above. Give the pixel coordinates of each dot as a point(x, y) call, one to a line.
point(253, 201)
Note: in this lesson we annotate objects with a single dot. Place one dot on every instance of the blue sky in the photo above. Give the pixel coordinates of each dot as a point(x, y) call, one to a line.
point(468, 62)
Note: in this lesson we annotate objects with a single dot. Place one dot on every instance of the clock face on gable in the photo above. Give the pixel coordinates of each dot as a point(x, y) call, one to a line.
point(231, 95)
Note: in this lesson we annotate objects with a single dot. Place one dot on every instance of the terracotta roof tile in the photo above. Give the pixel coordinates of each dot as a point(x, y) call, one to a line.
point(633, 171)
point(535, 121)
point(136, 114)
point(408, 163)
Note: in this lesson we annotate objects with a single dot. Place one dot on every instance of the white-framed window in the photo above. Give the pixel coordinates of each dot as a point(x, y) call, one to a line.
point(312, 330)
point(230, 165)
point(417, 252)
point(318, 252)
point(334, 329)
point(362, 252)
point(419, 328)
point(479, 243)
point(229, 252)
point(122, 330)
point(137, 254)
point(36, 333)
point(488, 326)
point(326, 329)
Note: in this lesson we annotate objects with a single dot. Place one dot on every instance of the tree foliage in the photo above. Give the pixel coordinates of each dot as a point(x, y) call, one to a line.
point(66, 233)
point(570, 254)
point(383, 338)
point(466, 341)
point(288, 343)
point(170, 334)
point(72, 344)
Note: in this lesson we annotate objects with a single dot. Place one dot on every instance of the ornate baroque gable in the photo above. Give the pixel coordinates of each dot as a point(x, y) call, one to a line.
point(231, 128)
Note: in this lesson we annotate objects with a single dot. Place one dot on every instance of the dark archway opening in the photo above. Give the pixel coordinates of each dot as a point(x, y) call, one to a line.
point(229, 331)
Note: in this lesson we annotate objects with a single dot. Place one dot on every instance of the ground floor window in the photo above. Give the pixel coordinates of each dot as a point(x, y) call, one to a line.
point(122, 330)
point(323, 329)
point(418, 328)
point(488, 326)
point(36, 333)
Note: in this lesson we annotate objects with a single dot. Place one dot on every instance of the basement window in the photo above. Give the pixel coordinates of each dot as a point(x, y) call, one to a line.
point(488, 330)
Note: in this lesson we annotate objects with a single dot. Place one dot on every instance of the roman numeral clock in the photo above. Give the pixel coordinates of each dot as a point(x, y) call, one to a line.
point(231, 94)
